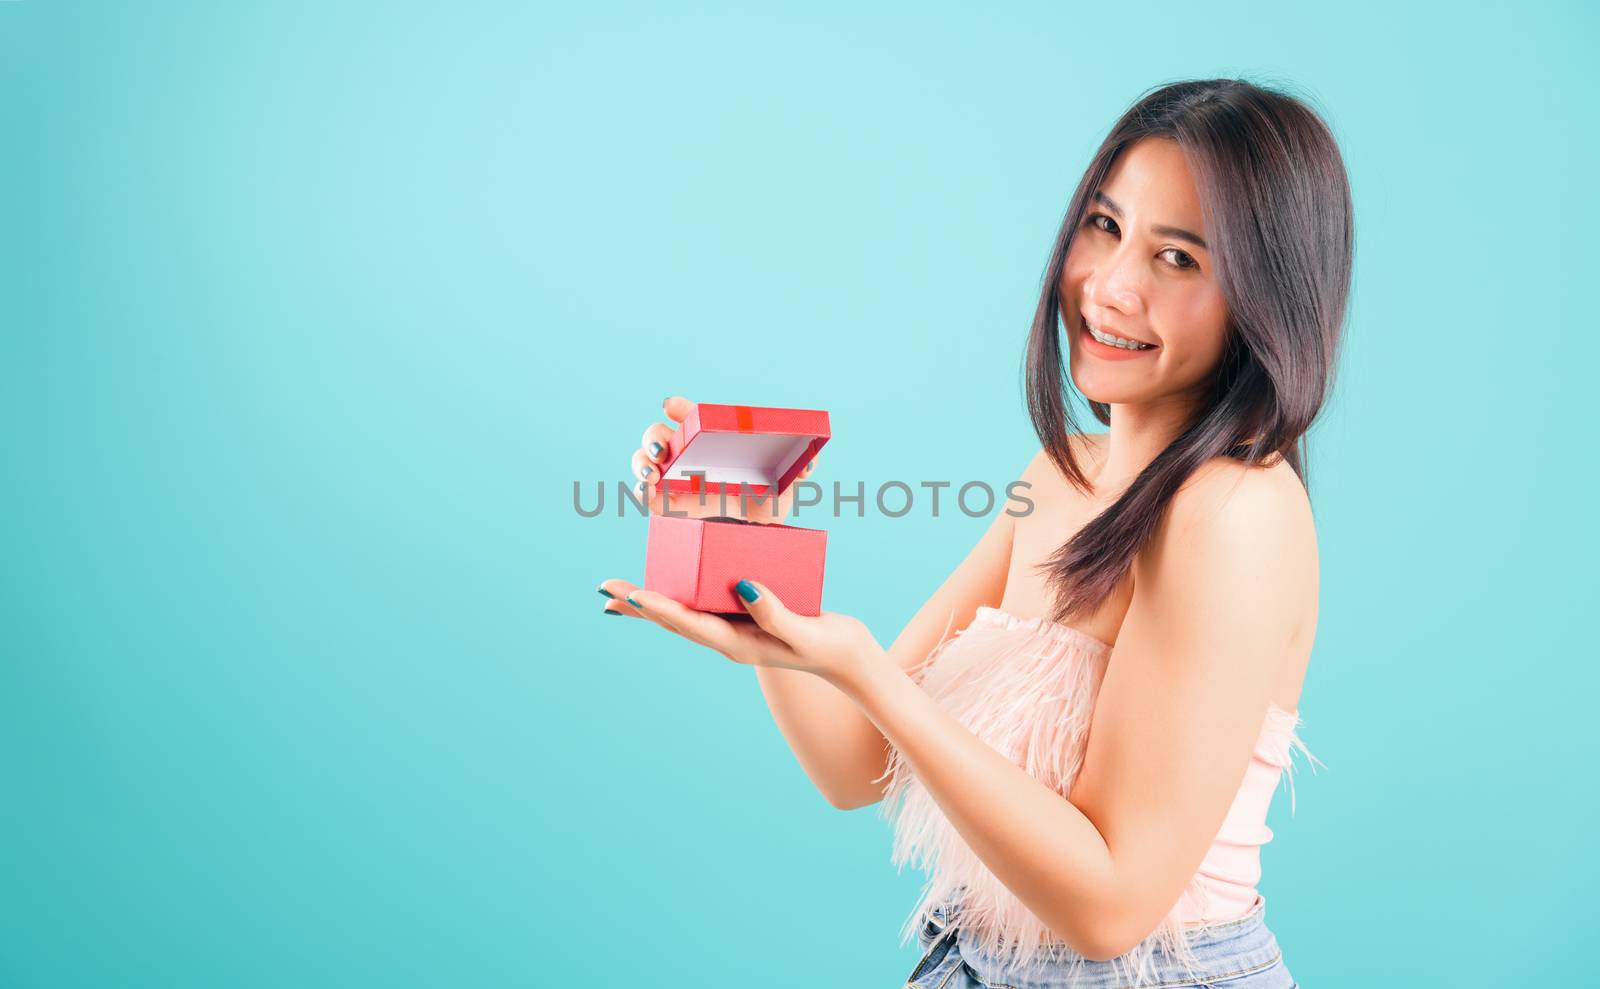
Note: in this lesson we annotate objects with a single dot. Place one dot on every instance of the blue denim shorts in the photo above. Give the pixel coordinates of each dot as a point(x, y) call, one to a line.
point(1234, 954)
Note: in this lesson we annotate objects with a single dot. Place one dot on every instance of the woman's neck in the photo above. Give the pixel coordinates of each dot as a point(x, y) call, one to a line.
point(1138, 434)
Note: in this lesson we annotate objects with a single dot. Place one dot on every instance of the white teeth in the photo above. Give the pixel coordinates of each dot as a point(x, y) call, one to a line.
point(1115, 341)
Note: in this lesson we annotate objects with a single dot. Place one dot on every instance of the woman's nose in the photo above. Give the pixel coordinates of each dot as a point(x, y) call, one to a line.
point(1115, 284)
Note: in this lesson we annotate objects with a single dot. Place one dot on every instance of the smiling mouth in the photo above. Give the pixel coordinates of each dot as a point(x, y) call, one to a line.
point(1105, 340)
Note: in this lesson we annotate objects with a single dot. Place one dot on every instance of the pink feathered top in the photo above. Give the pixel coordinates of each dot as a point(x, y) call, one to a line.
point(1027, 687)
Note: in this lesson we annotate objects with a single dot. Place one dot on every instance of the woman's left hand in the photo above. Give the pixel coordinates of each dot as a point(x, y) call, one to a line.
point(832, 646)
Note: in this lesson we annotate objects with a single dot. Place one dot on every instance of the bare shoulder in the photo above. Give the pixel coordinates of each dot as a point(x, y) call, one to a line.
point(1250, 525)
point(1231, 494)
point(1248, 528)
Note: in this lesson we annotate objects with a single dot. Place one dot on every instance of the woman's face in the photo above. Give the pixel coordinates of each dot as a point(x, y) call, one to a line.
point(1135, 272)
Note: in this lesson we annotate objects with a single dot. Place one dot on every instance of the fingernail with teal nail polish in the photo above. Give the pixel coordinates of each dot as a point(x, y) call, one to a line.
point(655, 449)
point(636, 604)
point(747, 591)
point(644, 472)
point(607, 593)
point(612, 611)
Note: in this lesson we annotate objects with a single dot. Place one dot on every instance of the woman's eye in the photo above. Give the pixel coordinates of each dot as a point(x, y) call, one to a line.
point(1101, 216)
point(1184, 260)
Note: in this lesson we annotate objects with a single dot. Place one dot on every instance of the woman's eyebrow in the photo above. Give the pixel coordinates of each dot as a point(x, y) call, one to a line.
point(1155, 228)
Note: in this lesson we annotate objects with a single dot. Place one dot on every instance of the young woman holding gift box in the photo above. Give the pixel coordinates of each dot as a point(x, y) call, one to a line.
point(1085, 768)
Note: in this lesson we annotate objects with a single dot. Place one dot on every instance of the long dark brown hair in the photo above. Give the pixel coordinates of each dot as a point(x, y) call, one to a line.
point(1276, 202)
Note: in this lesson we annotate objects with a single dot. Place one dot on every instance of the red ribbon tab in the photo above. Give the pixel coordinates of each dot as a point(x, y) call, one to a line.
point(744, 418)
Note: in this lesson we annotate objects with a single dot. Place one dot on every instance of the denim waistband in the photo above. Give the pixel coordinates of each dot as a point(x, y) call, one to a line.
point(1225, 949)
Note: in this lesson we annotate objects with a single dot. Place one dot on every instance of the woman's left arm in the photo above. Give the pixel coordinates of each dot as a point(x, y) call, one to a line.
point(1218, 596)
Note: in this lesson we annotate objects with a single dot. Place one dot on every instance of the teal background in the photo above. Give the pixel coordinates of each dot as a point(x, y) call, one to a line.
point(312, 313)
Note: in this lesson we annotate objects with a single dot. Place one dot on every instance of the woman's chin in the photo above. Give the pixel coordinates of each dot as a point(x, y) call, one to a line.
point(1106, 392)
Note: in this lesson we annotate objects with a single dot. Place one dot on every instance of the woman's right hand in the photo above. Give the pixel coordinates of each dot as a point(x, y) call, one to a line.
point(646, 469)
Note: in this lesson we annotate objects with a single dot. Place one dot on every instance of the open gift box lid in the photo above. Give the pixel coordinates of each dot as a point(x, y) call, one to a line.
point(719, 447)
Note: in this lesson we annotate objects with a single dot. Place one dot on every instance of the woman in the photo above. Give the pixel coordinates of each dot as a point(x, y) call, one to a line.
point(1068, 767)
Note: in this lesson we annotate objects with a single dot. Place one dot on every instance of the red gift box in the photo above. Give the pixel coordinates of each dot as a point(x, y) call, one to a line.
point(697, 561)
point(719, 446)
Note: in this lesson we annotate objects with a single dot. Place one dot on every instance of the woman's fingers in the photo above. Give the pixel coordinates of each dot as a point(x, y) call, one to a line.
point(676, 408)
point(643, 469)
point(655, 440)
point(616, 594)
point(623, 596)
point(645, 466)
point(768, 611)
point(742, 642)
point(695, 625)
point(712, 631)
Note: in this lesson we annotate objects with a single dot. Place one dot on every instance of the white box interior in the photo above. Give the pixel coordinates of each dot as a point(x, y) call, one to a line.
point(731, 458)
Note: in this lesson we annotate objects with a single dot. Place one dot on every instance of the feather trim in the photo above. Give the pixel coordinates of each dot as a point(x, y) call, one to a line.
point(1283, 725)
point(1027, 688)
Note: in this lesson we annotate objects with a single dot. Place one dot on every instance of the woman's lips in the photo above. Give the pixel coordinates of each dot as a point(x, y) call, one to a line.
point(1104, 350)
